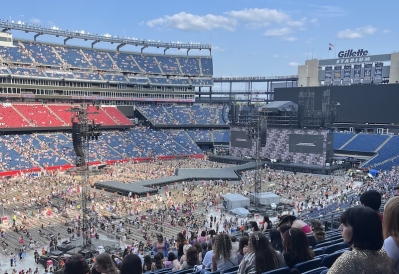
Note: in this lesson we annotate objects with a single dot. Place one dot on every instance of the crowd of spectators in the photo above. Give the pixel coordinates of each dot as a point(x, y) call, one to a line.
point(198, 114)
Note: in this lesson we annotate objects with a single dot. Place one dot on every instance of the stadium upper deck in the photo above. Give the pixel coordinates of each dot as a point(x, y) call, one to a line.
point(26, 58)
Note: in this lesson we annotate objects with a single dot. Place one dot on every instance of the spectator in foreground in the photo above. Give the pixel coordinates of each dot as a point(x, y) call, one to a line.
point(361, 229)
point(391, 233)
point(131, 264)
point(275, 240)
point(76, 264)
point(192, 258)
point(223, 256)
point(241, 246)
point(104, 264)
point(296, 247)
point(318, 230)
point(260, 257)
point(372, 199)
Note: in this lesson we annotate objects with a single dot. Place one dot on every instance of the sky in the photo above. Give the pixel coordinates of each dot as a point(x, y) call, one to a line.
point(248, 37)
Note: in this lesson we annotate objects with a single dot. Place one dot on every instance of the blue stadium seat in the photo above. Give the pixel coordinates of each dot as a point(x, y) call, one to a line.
point(185, 271)
point(282, 270)
point(332, 248)
point(316, 271)
point(318, 251)
point(308, 265)
point(329, 260)
point(232, 269)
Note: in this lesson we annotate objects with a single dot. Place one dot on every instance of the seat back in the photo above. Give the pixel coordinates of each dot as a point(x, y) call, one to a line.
point(308, 265)
point(282, 270)
point(316, 271)
point(335, 247)
point(329, 260)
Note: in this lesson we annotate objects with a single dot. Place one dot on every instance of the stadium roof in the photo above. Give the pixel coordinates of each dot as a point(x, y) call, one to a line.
point(122, 41)
point(280, 106)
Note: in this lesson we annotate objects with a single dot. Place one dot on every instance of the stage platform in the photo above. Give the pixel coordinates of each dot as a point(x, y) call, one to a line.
point(183, 174)
point(325, 170)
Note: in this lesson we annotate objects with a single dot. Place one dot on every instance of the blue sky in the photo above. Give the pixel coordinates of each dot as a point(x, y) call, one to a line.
point(249, 37)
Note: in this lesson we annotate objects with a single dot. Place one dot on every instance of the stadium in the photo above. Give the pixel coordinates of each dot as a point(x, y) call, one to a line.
point(165, 134)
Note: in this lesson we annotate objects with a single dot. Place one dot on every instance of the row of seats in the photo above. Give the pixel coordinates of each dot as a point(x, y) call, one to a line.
point(19, 115)
point(82, 58)
point(210, 136)
point(18, 152)
point(386, 148)
point(109, 77)
point(198, 114)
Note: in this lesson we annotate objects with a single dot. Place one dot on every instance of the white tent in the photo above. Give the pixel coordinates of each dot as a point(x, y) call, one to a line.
point(266, 198)
point(232, 201)
point(240, 211)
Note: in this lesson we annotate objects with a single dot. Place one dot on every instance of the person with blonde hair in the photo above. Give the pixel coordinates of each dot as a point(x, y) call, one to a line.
point(390, 229)
point(104, 264)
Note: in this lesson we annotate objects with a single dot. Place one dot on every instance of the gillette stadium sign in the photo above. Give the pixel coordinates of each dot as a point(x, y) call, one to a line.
point(352, 56)
point(353, 53)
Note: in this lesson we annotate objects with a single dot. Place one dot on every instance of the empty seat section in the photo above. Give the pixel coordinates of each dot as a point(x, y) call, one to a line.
point(189, 66)
point(27, 71)
point(43, 54)
point(63, 112)
point(117, 116)
point(114, 77)
point(207, 66)
point(147, 63)
point(38, 115)
point(16, 54)
point(100, 117)
point(73, 57)
point(341, 138)
point(99, 59)
point(168, 65)
point(88, 76)
point(10, 118)
point(365, 142)
point(125, 62)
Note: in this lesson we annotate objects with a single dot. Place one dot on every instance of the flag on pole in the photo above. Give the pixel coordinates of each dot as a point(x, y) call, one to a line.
point(330, 46)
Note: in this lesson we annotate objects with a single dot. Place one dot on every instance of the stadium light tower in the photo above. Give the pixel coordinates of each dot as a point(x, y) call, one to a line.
point(84, 130)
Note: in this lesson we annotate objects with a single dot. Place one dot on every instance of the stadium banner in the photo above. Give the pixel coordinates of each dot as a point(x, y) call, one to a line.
point(347, 73)
point(378, 72)
point(337, 75)
point(327, 75)
point(357, 70)
point(367, 73)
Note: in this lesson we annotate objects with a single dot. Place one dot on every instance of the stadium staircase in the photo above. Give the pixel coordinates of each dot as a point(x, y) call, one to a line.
point(87, 59)
point(55, 114)
point(383, 143)
point(178, 63)
point(20, 114)
point(350, 140)
point(114, 64)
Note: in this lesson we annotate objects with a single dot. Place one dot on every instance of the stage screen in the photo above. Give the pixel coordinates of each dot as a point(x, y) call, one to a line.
point(358, 103)
point(240, 139)
point(289, 145)
point(300, 143)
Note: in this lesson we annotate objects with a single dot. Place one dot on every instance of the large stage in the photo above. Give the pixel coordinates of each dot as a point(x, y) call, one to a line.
point(143, 188)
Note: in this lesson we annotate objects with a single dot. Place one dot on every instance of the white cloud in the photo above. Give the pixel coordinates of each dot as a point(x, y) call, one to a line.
point(35, 21)
point(327, 11)
point(50, 24)
point(356, 33)
point(277, 32)
point(289, 38)
point(293, 64)
point(190, 22)
point(275, 55)
point(313, 20)
point(259, 17)
point(386, 31)
point(297, 24)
